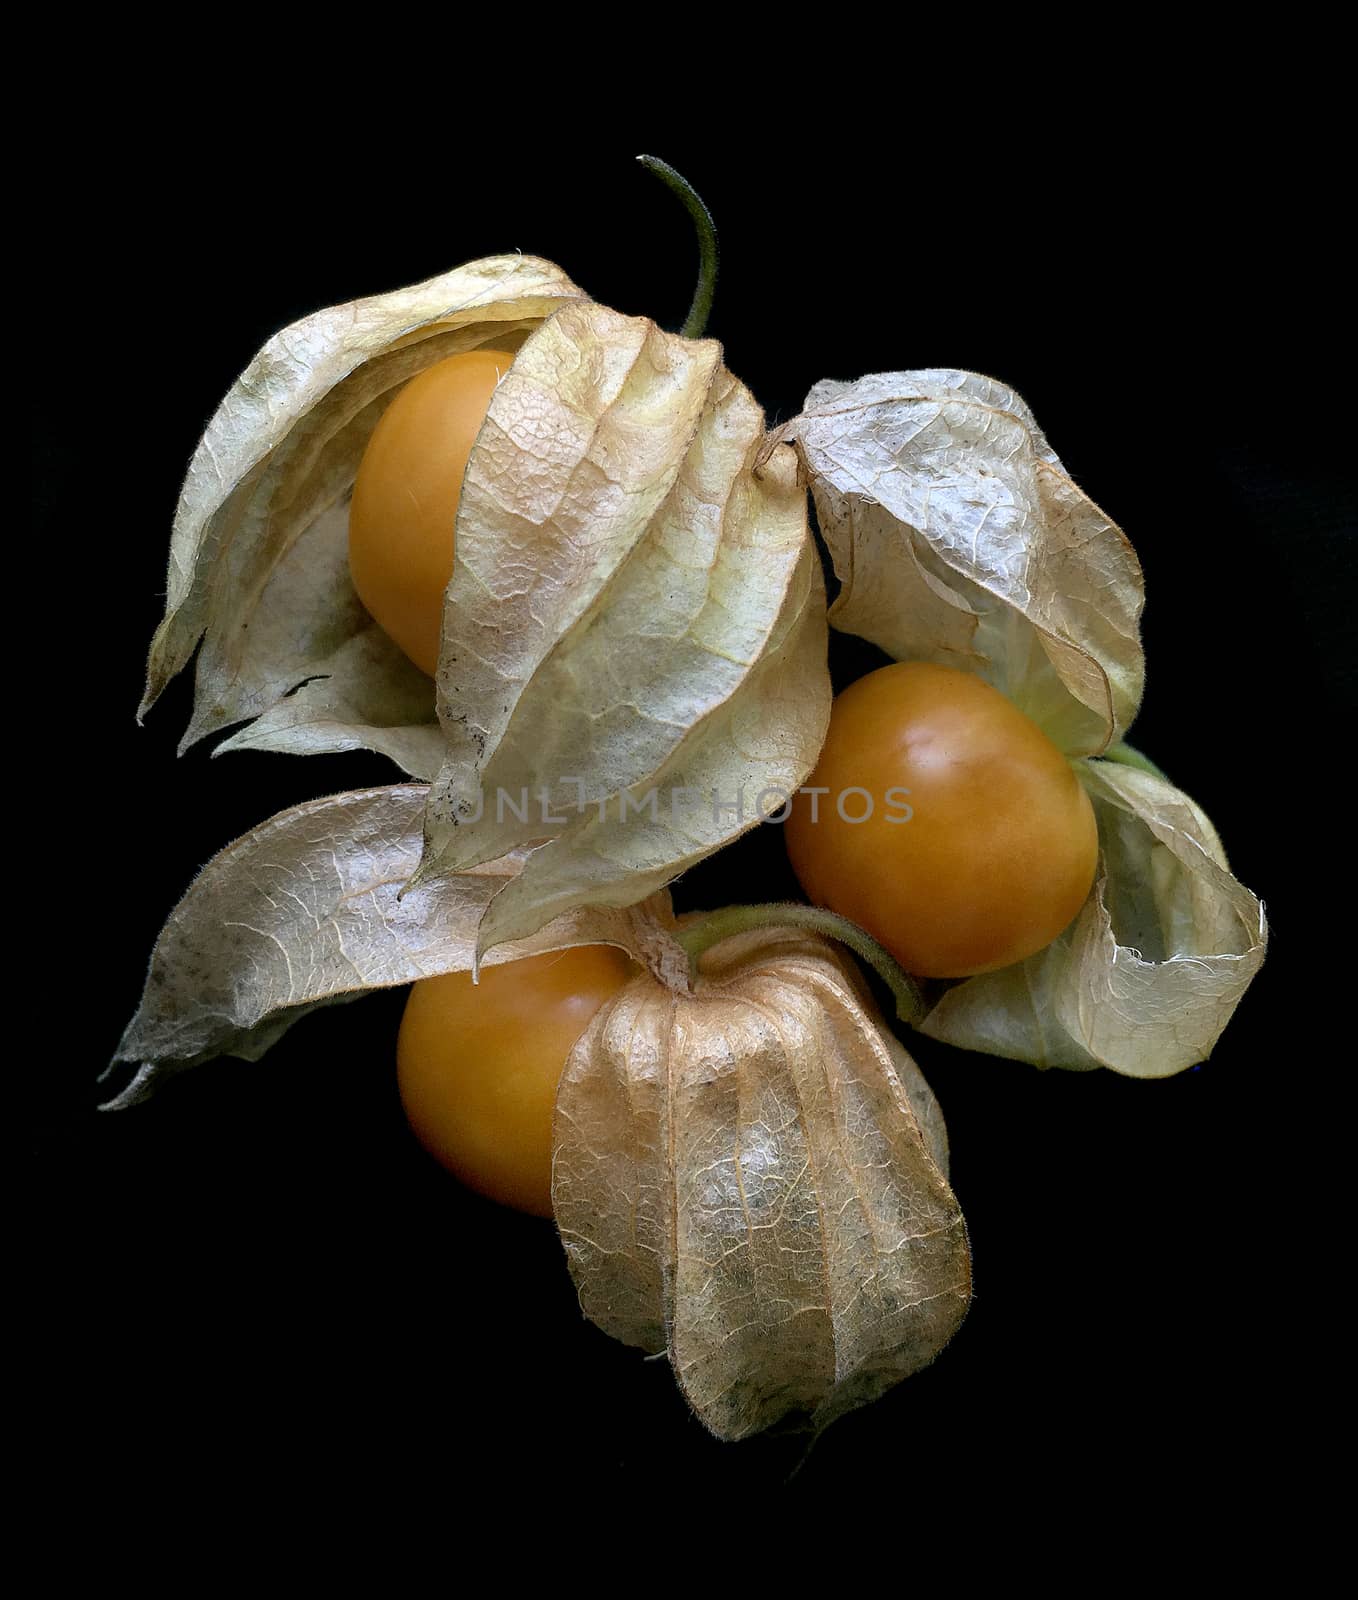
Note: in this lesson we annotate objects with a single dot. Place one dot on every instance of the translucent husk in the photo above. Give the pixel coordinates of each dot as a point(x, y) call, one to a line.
point(258, 578)
point(633, 666)
point(634, 637)
point(748, 1172)
point(959, 538)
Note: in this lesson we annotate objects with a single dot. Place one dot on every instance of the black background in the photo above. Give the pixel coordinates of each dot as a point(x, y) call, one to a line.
point(258, 1281)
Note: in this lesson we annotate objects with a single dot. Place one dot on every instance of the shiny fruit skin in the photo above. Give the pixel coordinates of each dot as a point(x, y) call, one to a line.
point(405, 498)
point(478, 1064)
point(1001, 847)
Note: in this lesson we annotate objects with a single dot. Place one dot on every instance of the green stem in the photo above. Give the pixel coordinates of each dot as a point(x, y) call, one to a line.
point(1125, 756)
point(725, 924)
point(701, 308)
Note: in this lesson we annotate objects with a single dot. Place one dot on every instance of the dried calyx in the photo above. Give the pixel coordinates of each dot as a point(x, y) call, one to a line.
point(636, 618)
point(959, 539)
point(742, 1178)
point(749, 1170)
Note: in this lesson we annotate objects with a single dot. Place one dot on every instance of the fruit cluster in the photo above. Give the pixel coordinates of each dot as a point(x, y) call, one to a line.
point(548, 559)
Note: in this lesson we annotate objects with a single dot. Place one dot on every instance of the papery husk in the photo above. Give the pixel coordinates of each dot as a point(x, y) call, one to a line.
point(740, 1180)
point(306, 910)
point(635, 619)
point(259, 553)
point(960, 539)
point(1151, 970)
point(370, 697)
point(748, 1173)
